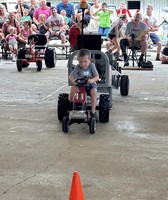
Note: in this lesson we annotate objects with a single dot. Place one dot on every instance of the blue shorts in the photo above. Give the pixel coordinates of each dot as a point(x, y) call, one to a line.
point(155, 39)
point(89, 87)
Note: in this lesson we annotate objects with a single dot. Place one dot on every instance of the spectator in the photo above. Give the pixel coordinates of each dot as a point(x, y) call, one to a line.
point(25, 32)
point(5, 29)
point(153, 27)
point(42, 27)
point(42, 9)
point(3, 19)
point(85, 69)
point(164, 54)
point(56, 26)
point(68, 7)
point(75, 30)
point(133, 29)
point(11, 22)
point(94, 21)
point(11, 38)
point(104, 15)
point(20, 8)
point(78, 12)
point(114, 35)
point(66, 21)
point(122, 10)
point(25, 17)
point(32, 8)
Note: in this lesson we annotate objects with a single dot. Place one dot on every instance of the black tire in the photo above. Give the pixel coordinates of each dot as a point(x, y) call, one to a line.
point(104, 108)
point(65, 124)
point(19, 65)
point(39, 65)
point(92, 125)
point(50, 57)
point(124, 85)
point(21, 53)
point(62, 106)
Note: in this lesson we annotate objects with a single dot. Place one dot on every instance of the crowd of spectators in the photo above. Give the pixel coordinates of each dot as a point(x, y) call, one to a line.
point(64, 21)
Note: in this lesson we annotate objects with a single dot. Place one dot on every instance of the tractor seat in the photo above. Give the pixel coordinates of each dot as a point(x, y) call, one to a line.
point(39, 39)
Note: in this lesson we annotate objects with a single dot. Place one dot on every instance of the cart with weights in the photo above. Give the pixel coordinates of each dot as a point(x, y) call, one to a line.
point(36, 50)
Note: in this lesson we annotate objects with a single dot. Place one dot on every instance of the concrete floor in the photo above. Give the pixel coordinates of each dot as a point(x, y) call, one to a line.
point(126, 159)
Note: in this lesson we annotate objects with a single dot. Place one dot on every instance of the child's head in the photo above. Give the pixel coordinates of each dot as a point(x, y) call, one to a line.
point(63, 13)
point(25, 12)
point(42, 17)
point(27, 23)
point(84, 58)
point(104, 6)
point(123, 17)
point(11, 30)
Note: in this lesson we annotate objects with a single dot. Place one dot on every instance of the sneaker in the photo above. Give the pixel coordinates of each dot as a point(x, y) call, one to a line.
point(94, 115)
point(13, 60)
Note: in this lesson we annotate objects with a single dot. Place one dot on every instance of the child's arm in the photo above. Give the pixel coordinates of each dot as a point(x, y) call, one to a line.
point(94, 14)
point(93, 79)
point(72, 79)
point(107, 9)
point(7, 37)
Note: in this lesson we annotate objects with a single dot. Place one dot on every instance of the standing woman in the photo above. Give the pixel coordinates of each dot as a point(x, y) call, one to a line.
point(32, 8)
point(11, 21)
point(3, 19)
point(94, 22)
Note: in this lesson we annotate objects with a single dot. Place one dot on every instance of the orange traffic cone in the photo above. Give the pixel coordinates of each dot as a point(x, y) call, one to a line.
point(76, 192)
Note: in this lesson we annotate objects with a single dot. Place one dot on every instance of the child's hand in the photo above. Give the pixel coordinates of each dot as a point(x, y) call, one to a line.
point(90, 81)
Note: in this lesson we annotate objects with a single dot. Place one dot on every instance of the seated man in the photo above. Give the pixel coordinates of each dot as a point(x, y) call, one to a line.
point(133, 29)
point(56, 26)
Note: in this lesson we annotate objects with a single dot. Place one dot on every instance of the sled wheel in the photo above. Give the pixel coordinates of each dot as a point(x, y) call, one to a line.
point(124, 85)
point(39, 65)
point(19, 65)
point(104, 108)
point(92, 125)
point(65, 124)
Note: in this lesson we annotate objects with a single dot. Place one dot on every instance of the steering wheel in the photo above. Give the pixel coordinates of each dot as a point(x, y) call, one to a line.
point(33, 38)
point(80, 82)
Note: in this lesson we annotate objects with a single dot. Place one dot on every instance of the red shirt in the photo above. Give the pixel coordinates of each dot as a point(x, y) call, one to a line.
point(73, 35)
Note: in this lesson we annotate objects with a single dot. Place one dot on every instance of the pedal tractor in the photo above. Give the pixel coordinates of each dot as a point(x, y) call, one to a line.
point(79, 113)
point(36, 50)
point(110, 78)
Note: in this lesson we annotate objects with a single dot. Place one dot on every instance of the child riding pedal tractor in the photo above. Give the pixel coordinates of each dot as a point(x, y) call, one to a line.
point(36, 50)
point(75, 107)
point(83, 79)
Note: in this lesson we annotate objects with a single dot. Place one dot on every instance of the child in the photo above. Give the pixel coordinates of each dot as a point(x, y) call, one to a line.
point(104, 15)
point(85, 69)
point(164, 55)
point(11, 38)
point(26, 16)
point(43, 26)
point(25, 32)
point(113, 36)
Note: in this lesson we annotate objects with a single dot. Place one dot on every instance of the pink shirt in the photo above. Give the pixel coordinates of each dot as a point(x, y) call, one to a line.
point(39, 11)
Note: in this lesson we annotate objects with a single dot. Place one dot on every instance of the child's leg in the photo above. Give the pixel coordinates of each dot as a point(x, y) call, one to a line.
point(93, 94)
point(15, 49)
point(72, 93)
point(11, 48)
